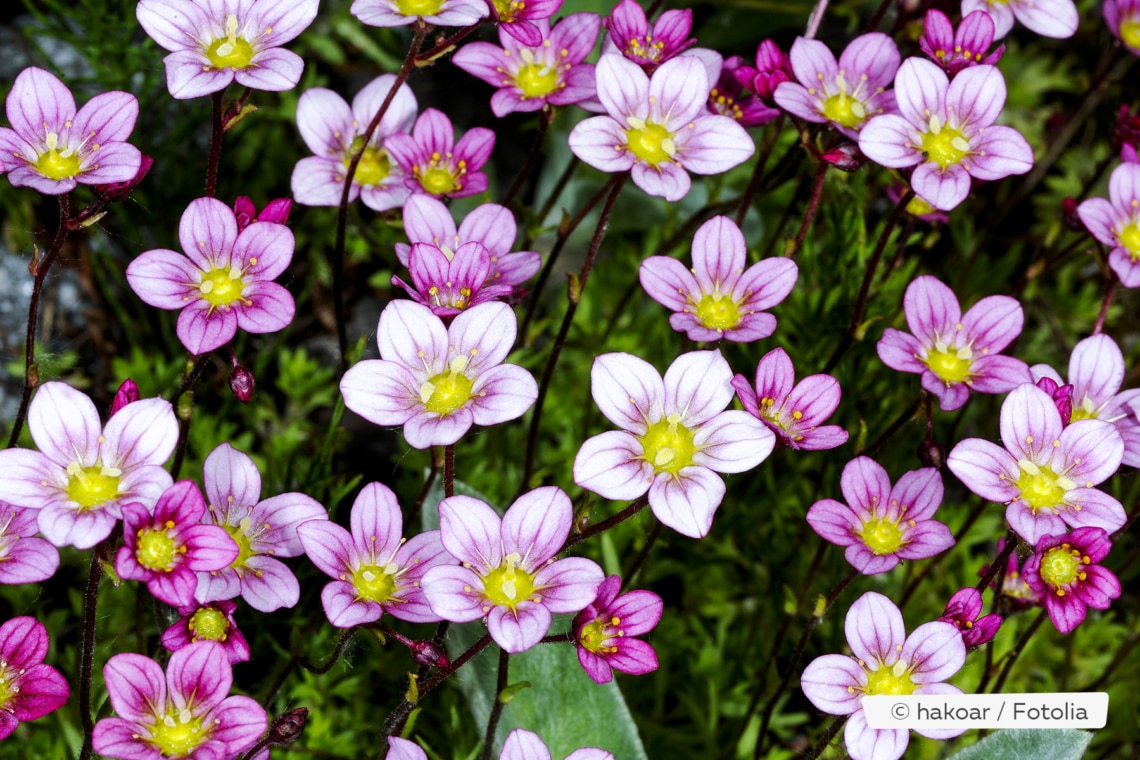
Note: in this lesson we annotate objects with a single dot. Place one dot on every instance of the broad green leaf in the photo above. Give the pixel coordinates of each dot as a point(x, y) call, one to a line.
point(1029, 744)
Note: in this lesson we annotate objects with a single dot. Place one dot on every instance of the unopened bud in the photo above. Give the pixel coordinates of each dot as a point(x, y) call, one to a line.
point(276, 211)
point(117, 191)
point(128, 393)
point(428, 654)
point(1126, 128)
point(288, 726)
point(1062, 396)
point(1070, 217)
point(242, 383)
point(931, 454)
point(846, 157)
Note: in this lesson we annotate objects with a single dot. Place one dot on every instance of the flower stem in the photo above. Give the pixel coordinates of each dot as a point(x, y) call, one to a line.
point(429, 481)
point(907, 415)
point(184, 407)
point(87, 649)
point(545, 117)
point(498, 705)
point(449, 470)
point(1104, 307)
point(771, 132)
point(999, 563)
point(1011, 658)
point(813, 204)
point(609, 522)
point(826, 737)
point(217, 130)
point(630, 574)
point(936, 560)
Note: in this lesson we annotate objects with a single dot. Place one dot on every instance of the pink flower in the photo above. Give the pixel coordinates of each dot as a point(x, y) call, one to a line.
point(29, 689)
point(881, 525)
point(335, 132)
point(946, 130)
point(658, 128)
point(24, 556)
point(604, 631)
point(1049, 18)
point(645, 45)
point(215, 42)
point(792, 411)
point(51, 147)
point(883, 660)
point(167, 546)
point(438, 381)
point(508, 574)
point(957, 51)
point(522, 19)
point(374, 570)
point(84, 472)
point(955, 354)
point(772, 67)
point(520, 745)
point(1116, 222)
point(213, 621)
point(1123, 19)
point(447, 282)
point(530, 75)
point(433, 12)
point(264, 530)
point(675, 436)
point(435, 164)
point(1046, 472)
point(225, 280)
point(1011, 584)
point(845, 94)
point(183, 713)
point(1065, 570)
point(963, 610)
point(718, 297)
point(729, 97)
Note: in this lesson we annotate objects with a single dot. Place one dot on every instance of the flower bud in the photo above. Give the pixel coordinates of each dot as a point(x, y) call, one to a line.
point(276, 211)
point(931, 454)
point(1070, 217)
point(288, 726)
point(242, 383)
point(1062, 397)
point(118, 191)
point(428, 654)
point(846, 157)
point(1126, 128)
point(128, 392)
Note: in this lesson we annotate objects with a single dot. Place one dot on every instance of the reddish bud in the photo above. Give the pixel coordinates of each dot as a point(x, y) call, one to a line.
point(242, 383)
point(931, 454)
point(128, 393)
point(1070, 217)
point(118, 191)
point(846, 157)
point(288, 726)
point(276, 211)
point(1126, 129)
point(1062, 397)
point(428, 654)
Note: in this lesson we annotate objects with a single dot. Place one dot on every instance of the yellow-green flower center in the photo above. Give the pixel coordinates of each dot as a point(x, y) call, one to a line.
point(593, 636)
point(55, 163)
point(894, 681)
point(650, 142)
point(90, 487)
point(919, 207)
point(1130, 32)
point(1083, 411)
point(374, 167)
point(374, 583)
point(1130, 236)
point(221, 287)
point(155, 550)
point(881, 536)
point(944, 145)
point(240, 534)
point(950, 365)
point(449, 390)
point(1062, 565)
point(507, 9)
point(508, 585)
point(1040, 487)
point(208, 624)
point(439, 178)
point(231, 51)
point(419, 7)
point(535, 80)
point(844, 110)
point(718, 312)
point(668, 445)
point(178, 733)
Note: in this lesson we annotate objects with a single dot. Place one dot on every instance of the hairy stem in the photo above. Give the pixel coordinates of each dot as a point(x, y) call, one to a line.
point(601, 527)
point(1018, 648)
point(87, 649)
point(497, 705)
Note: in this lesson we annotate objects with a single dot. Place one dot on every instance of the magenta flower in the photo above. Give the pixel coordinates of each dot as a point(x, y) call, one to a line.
point(438, 381)
point(729, 97)
point(447, 282)
point(1049, 18)
point(963, 611)
point(51, 147)
point(274, 212)
point(335, 133)
point(883, 660)
point(675, 436)
point(373, 569)
point(792, 411)
point(604, 632)
point(955, 354)
point(433, 163)
point(881, 525)
point(215, 42)
point(225, 280)
point(29, 689)
point(84, 472)
point(718, 297)
point(183, 713)
point(657, 127)
point(1047, 471)
point(24, 556)
point(508, 575)
point(1096, 371)
point(1065, 570)
point(956, 51)
point(522, 20)
point(530, 75)
point(406, 12)
point(263, 530)
point(1116, 222)
point(427, 220)
point(208, 622)
point(1123, 19)
point(649, 46)
point(166, 547)
point(772, 67)
point(845, 94)
point(946, 130)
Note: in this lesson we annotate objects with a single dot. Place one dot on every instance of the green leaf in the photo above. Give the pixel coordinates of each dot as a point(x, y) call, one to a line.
point(1029, 744)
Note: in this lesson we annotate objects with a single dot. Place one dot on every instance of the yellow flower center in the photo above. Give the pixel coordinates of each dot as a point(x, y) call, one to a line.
point(1040, 487)
point(90, 487)
point(844, 110)
point(231, 51)
point(374, 167)
point(1130, 236)
point(718, 312)
point(1083, 411)
point(155, 549)
point(374, 583)
point(593, 636)
point(439, 178)
point(650, 142)
point(508, 585)
point(881, 536)
point(944, 145)
point(536, 80)
point(1062, 565)
point(1130, 32)
point(919, 207)
point(55, 163)
point(894, 681)
point(507, 9)
point(447, 391)
point(208, 624)
point(951, 366)
point(221, 287)
point(240, 534)
point(668, 445)
point(178, 733)
point(419, 7)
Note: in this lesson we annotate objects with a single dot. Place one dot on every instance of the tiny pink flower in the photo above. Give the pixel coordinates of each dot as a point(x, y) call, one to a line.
point(1019, 595)
point(435, 164)
point(648, 45)
point(729, 98)
point(522, 19)
point(1049, 18)
point(793, 411)
point(955, 354)
point(1115, 221)
point(772, 67)
point(213, 621)
point(29, 689)
point(883, 660)
point(213, 43)
point(184, 712)
point(386, 13)
point(881, 525)
point(508, 576)
point(604, 631)
point(956, 51)
point(24, 556)
point(225, 280)
point(438, 381)
point(1047, 471)
point(447, 282)
point(1066, 571)
point(718, 298)
point(373, 569)
point(675, 436)
point(963, 611)
point(519, 745)
point(51, 147)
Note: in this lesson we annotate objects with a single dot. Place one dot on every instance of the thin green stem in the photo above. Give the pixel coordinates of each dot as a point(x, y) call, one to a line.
point(813, 204)
point(601, 527)
point(825, 738)
point(545, 117)
point(497, 705)
point(1018, 648)
point(771, 132)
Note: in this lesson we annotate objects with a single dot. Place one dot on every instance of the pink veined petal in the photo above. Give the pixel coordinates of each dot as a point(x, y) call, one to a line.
point(317, 181)
point(815, 397)
point(483, 60)
point(874, 629)
point(623, 88)
point(934, 652)
point(993, 323)
point(687, 501)
point(188, 75)
point(668, 282)
point(981, 465)
point(812, 62)
point(202, 332)
point(798, 101)
point(1067, 612)
point(998, 152)
point(412, 336)
point(718, 255)
point(775, 376)
point(1091, 450)
point(596, 667)
point(471, 531)
point(1049, 18)
point(568, 585)
point(376, 521)
point(1097, 510)
point(627, 390)
point(173, 25)
point(39, 101)
point(1096, 369)
point(713, 144)
point(239, 723)
point(1124, 188)
point(635, 657)
point(380, 13)
point(698, 386)
point(229, 473)
point(594, 141)
point(518, 630)
point(402, 749)
point(269, 585)
point(113, 162)
point(766, 283)
point(536, 526)
point(434, 133)
point(163, 279)
point(524, 745)
point(110, 116)
point(271, 307)
point(345, 609)
point(1099, 217)
point(1030, 423)
point(475, 147)
point(141, 433)
point(867, 562)
point(611, 465)
point(900, 351)
point(942, 188)
point(833, 684)
point(199, 674)
point(732, 441)
point(834, 522)
point(998, 374)
point(83, 529)
point(134, 685)
point(919, 492)
point(1121, 262)
point(328, 546)
point(502, 393)
point(288, 18)
point(427, 220)
point(678, 90)
point(484, 333)
point(29, 560)
point(64, 425)
point(324, 120)
point(31, 480)
point(455, 593)
point(931, 309)
point(426, 428)
point(866, 743)
point(890, 141)
point(1099, 588)
point(1032, 524)
point(263, 251)
point(975, 97)
point(866, 486)
point(207, 233)
point(576, 34)
point(874, 56)
point(921, 92)
point(668, 180)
